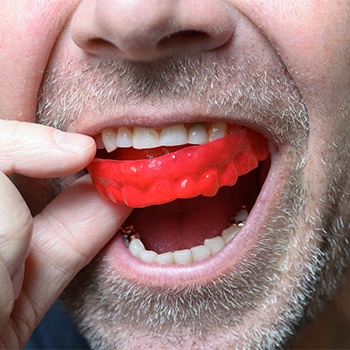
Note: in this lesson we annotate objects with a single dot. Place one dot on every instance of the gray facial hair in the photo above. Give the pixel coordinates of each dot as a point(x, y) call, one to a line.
point(110, 311)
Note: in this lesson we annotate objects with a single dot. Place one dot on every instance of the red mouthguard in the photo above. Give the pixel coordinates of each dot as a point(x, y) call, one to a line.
point(186, 173)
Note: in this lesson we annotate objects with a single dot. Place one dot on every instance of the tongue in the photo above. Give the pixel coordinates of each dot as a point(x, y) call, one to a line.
point(185, 223)
point(185, 173)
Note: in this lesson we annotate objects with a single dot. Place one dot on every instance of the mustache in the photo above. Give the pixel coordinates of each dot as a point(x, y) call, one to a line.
point(257, 91)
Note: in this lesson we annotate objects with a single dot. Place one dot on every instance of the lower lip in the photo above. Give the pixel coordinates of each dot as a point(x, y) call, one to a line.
point(202, 272)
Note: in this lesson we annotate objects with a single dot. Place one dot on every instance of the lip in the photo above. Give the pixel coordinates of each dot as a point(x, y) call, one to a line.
point(202, 272)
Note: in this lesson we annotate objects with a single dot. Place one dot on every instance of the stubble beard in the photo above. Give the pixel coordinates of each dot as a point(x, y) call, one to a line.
point(115, 313)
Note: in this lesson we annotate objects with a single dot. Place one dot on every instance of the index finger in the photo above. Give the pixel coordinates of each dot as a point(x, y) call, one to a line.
point(41, 151)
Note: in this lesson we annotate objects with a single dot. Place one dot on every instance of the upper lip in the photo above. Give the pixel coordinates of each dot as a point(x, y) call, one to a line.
point(257, 92)
point(283, 121)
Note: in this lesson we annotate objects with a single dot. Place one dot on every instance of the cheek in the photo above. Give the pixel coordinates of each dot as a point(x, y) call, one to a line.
point(28, 38)
point(312, 38)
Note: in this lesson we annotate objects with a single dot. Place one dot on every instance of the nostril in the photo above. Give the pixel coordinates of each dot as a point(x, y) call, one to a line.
point(97, 42)
point(98, 46)
point(188, 37)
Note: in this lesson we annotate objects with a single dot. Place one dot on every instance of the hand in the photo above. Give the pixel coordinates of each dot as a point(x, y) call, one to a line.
point(39, 256)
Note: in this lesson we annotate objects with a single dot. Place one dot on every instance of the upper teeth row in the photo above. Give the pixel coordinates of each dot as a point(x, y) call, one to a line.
point(143, 138)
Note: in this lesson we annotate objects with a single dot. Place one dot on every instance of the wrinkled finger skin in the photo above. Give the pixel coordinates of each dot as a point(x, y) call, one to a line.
point(37, 254)
point(67, 234)
point(37, 151)
point(311, 38)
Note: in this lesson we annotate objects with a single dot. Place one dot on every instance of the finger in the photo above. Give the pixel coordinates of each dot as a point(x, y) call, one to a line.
point(17, 280)
point(40, 151)
point(16, 225)
point(67, 235)
point(6, 294)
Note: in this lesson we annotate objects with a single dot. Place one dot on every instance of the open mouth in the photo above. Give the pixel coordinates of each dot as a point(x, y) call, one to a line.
point(193, 186)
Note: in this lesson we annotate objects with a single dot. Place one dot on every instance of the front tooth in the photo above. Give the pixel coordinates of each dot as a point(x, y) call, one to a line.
point(136, 247)
point(148, 256)
point(165, 258)
point(109, 137)
point(200, 252)
point(124, 137)
point(145, 138)
point(182, 256)
point(217, 131)
point(214, 244)
point(173, 136)
point(229, 233)
point(197, 134)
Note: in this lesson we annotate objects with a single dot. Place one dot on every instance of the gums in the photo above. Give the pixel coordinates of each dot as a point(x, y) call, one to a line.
point(185, 173)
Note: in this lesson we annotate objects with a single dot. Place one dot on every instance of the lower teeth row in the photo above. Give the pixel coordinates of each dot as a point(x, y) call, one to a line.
point(210, 247)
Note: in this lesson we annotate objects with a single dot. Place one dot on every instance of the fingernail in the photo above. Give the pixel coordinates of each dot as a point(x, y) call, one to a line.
point(74, 143)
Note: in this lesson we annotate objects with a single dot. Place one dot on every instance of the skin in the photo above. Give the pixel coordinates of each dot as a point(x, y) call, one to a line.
point(306, 42)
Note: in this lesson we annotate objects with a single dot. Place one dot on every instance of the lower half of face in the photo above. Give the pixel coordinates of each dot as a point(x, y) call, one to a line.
point(272, 276)
point(246, 265)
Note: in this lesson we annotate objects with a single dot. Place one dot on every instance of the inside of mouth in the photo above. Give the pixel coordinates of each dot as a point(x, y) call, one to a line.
point(186, 223)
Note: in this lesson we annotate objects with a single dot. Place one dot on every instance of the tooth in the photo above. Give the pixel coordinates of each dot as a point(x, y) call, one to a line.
point(109, 137)
point(229, 233)
point(135, 247)
point(148, 256)
point(145, 138)
point(197, 134)
point(241, 215)
point(165, 258)
point(200, 252)
point(214, 244)
point(124, 137)
point(217, 130)
point(182, 256)
point(173, 136)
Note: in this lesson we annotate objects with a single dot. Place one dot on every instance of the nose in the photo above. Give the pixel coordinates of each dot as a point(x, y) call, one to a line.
point(145, 30)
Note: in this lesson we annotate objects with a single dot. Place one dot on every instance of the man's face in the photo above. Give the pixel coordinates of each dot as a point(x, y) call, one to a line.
point(279, 68)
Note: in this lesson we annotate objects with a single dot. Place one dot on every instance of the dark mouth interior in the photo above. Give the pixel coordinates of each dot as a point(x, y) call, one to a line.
point(185, 223)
